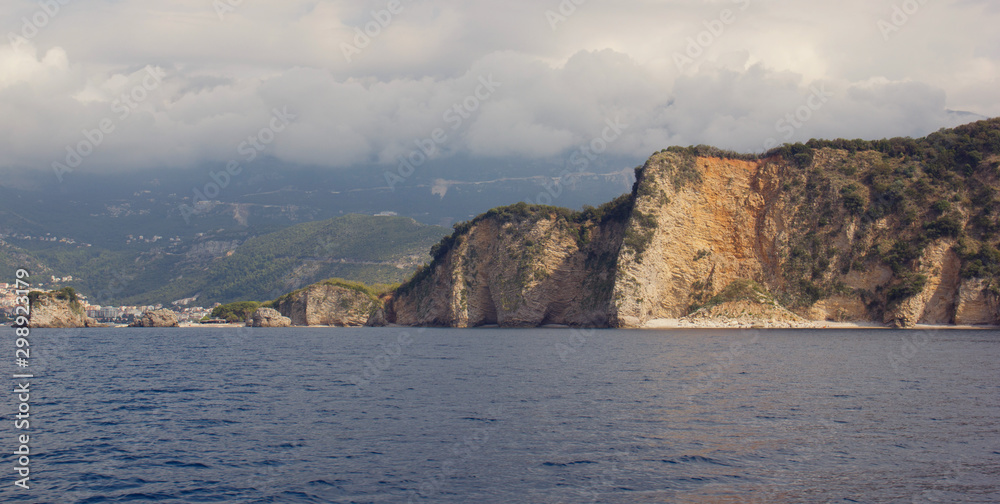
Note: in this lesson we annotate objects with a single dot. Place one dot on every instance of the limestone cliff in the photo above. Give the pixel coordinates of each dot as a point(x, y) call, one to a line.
point(58, 310)
point(836, 235)
point(898, 231)
point(519, 266)
point(331, 302)
point(697, 225)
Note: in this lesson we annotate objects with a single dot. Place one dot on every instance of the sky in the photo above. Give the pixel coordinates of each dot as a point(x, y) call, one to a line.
point(119, 85)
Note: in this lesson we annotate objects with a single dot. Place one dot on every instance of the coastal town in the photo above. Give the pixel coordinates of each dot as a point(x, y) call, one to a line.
point(112, 315)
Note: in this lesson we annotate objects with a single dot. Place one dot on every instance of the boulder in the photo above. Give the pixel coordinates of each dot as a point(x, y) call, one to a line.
point(268, 317)
point(157, 318)
point(377, 319)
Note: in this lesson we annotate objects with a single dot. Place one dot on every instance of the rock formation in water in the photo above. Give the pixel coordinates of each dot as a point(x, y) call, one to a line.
point(156, 318)
point(58, 310)
point(897, 231)
point(268, 317)
point(331, 302)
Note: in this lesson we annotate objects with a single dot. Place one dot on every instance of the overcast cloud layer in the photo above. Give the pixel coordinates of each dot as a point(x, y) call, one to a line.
point(204, 76)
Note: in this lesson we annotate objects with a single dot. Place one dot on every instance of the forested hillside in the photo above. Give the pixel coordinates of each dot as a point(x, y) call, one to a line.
point(231, 265)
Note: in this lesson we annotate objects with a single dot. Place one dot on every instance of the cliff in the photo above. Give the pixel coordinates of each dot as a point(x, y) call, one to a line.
point(520, 266)
point(332, 302)
point(897, 231)
point(58, 310)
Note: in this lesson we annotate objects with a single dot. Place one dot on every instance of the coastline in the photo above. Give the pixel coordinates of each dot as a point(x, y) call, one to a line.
point(661, 324)
point(681, 323)
point(684, 323)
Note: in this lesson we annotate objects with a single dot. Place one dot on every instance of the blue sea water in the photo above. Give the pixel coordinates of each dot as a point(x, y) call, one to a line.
point(508, 416)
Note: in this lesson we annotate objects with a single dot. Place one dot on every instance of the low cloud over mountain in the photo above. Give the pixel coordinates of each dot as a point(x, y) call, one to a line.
point(127, 85)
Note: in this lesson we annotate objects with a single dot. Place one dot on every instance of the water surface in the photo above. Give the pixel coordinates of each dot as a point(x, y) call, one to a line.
point(531, 416)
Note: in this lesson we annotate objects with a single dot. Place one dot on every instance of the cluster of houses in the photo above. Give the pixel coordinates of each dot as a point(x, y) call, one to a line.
point(46, 238)
point(103, 314)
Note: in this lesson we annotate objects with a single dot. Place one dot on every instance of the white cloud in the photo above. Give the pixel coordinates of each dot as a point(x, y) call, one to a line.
point(608, 60)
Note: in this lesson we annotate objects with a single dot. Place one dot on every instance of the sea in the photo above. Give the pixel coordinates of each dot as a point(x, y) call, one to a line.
point(391, 415)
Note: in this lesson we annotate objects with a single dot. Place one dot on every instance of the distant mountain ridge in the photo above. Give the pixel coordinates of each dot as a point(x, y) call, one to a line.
point(124, 240)
point(232, 265)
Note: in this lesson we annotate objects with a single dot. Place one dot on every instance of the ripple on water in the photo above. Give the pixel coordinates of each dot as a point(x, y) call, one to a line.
point(630, 417)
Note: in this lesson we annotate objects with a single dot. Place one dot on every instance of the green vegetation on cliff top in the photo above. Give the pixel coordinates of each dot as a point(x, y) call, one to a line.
point(372, 292)
point(236, 312)
point(618, 209)
point(906, 192)
point(66, 294)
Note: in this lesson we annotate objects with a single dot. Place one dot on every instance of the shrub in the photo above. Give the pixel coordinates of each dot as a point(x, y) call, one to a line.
point(617, 209)
point(984, 264)
point(236, 312)
point(854, 202)
point(901, 255)
point(66, 294)
point(909, 286)
point(941, 206)
point(640, 234)
point(422, 273)
point(33, 297)
point(945, 226)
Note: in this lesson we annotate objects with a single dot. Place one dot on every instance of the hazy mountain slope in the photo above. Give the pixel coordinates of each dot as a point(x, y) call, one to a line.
point(124, 239)
point(354, 247)
point(225, 266)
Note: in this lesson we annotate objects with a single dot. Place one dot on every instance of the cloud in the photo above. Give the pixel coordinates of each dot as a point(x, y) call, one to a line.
point(753, 68)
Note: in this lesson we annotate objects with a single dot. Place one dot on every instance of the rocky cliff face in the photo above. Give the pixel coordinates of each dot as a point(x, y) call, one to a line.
point(898, 232)
point(52, 312)
point(330, 303)
point(976, 304)
point(703, 223)
point(522, 266)
point(698, 224)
